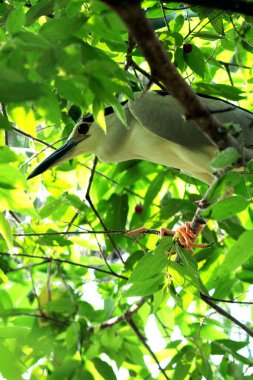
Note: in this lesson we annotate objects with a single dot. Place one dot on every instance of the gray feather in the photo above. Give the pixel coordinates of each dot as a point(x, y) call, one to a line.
point(171, 124)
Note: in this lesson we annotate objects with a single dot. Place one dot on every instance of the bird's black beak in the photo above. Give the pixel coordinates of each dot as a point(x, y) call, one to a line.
point(52, 159)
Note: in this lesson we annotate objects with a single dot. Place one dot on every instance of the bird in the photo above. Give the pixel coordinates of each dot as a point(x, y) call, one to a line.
point(156, 130)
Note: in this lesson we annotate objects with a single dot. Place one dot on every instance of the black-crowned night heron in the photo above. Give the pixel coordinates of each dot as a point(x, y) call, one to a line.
point(157, 132)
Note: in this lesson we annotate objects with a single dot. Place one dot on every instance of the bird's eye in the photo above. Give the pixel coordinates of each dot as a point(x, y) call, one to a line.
point(83, 128)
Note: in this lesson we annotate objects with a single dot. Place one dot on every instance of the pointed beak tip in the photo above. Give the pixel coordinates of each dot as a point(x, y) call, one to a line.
point(30, 176)
point(34, 173)
point(52, 159)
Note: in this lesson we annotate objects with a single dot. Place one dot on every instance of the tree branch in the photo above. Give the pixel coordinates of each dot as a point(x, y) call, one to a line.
point(88, 198)
point(230, 301)
point(128, 314)
point(197, 219)
point(225, 314)
point(38, 316)
point(162, 69)
point(144, 342)
point(61, 261)
point(204, 297)
point(239, 6)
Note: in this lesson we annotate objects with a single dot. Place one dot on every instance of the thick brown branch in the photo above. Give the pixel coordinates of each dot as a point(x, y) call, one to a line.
point(197, 220)
point(132, 310)
point(163, 70)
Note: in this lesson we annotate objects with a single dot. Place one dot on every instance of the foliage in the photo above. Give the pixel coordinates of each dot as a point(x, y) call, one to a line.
point(61, 283)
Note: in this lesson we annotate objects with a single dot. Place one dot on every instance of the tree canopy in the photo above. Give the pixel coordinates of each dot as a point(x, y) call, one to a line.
point(79, 299)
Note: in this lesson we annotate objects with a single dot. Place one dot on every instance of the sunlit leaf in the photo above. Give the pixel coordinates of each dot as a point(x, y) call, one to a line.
point(98, 112)
point(226, 208)
point(195, 60)
point(24, 118)
point(6, 231)
point(15, 20)
point(44, 7)
point(240, 251)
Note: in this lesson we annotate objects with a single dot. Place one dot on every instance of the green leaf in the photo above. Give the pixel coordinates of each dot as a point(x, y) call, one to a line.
point(17, 200)
point(184, 277)
point(10, 368)
point(4, 124)
point(152, 263)
point(153, 190)
point(64, 305)
point(146, 287)
point(220, 90)
point(48, 107)
point(32, 42)
point(211, 332)
point(240, 252)
point(15, 88)
point(14, 332)
point(60, 29)
point(41, 8)
point(208, 36)
point(11, 177)
point(69, 90)
point(195, 60)
point(15, 20)
point(7, 156)
point(179, 59)
point(232, 345)
point(217, 22)
point(148, 275)
point(5, 231)
point(225, 208)
point(177, 24)
point(104, 369)
point(119, 110)
point(227, 181)
point(117, 210)
point(225, 158)
point(98, 113)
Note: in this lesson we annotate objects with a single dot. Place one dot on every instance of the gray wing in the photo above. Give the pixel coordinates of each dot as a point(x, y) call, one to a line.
point(162, 115)
point(229, 113)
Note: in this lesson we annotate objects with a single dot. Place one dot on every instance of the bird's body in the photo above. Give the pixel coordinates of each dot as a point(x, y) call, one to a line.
point(157, 131)
point(137, 142)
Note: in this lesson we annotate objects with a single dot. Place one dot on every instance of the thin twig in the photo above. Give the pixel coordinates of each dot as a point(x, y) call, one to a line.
point(225, 314)
point(50, 259)
point(177, 9)
point(234, 65)
point(32, 137)
point(206, 23)
point(229, 301)
point(88, 198)
point(164, 15)
point(144, 342)
point(21, 314)
point(35, 293)
point(27, 266)
point(239, 33)
point(89, 232)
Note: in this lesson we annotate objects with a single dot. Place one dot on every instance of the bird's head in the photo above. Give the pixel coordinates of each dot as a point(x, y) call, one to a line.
point(84, 138)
